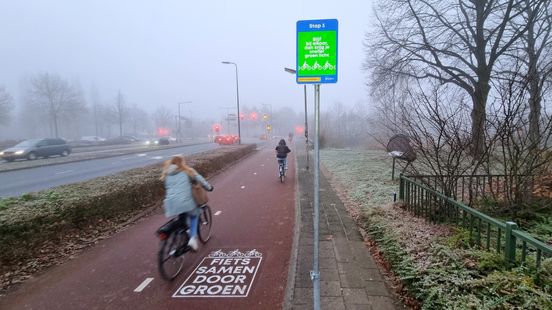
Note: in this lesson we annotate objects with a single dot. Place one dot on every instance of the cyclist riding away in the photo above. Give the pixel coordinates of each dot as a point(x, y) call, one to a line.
point(178, 178)
point(281, 152)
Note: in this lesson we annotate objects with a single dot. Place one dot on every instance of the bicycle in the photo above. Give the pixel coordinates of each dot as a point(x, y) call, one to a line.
point(174, 242)
point(282, 169)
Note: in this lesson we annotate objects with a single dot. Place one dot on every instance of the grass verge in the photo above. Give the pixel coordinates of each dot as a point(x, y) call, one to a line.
point(433, 263)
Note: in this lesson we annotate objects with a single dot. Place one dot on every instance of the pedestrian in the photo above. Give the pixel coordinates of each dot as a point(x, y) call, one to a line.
point(179, 201)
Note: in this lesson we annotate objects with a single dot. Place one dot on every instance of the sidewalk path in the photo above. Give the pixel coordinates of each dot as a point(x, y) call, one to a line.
point(349, 277)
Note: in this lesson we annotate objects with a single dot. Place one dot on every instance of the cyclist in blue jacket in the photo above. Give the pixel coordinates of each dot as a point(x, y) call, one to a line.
point(178, 178)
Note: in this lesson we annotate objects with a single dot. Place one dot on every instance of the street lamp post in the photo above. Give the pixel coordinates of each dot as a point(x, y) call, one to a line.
point(237, 97)
point(179, 121)
point(292, 71)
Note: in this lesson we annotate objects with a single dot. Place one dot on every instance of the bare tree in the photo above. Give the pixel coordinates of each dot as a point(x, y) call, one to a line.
point(6, 105)
point(514, 153)
point(95, 101)
point(119, 110)
point(106, 118)
point(163, 117)
point(449, 41)
point(55, 97)
point(439, 133)
point(138, 119)
point(538, 59)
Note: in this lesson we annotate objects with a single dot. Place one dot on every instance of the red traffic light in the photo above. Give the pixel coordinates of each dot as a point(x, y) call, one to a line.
point(162, 131)
point(216, 128)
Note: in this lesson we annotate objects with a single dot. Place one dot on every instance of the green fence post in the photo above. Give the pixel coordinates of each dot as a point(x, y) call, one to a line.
point(510, 244)
point(401, 187)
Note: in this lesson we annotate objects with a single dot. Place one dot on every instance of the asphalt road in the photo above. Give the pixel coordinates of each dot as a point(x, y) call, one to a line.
point(252, 210)
point(18, 182)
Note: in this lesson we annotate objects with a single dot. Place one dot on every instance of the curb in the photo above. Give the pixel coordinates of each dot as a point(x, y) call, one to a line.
point(288, 297)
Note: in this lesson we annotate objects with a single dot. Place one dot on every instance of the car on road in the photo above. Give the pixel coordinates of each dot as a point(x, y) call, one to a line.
point(91, 139)
point(35, 148)
point(120, 140)
point(226, 140)
point(157, 141)
point(163, 141)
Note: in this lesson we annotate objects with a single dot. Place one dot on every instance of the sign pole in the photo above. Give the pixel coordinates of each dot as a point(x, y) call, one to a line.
point(315, 274)
point(306, 127)
point(316, 64)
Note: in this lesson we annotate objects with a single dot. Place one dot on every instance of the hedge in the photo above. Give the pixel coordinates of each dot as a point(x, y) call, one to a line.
point(31, 220)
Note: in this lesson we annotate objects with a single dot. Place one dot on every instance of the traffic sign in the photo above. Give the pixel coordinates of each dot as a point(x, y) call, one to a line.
point(317, 51)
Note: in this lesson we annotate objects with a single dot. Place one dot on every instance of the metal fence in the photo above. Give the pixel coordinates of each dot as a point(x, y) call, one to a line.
point(469, 188)
point(485, 232)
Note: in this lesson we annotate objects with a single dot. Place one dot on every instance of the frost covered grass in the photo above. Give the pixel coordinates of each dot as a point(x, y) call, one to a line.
point(366, 174)
point(434, 263)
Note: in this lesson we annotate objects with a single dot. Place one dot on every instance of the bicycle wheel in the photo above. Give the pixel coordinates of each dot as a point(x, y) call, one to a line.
point(282, 174)
point(170, 264)
point(205, 223)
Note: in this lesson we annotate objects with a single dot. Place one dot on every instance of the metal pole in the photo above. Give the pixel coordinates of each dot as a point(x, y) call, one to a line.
point(306, 127)
point(179, 127)
point(238, 101)
point(315, 273)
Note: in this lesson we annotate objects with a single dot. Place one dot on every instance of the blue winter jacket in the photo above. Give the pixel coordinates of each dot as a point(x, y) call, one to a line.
point(178, 192)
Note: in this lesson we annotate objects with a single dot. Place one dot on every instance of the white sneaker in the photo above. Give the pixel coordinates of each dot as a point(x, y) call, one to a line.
point(193, 243)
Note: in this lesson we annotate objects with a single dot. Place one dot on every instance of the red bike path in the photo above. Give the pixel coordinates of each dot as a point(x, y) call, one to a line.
point(252, 210)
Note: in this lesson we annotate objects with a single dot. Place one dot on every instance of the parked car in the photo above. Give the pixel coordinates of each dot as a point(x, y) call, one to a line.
point(131, 138)
point(92, 139)
point(120, 140)
point(35, 148)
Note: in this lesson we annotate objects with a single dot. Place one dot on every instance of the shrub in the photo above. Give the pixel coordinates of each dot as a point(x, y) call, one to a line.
point(31, 220)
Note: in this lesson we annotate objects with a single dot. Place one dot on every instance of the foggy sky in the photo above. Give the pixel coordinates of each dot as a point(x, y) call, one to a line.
point(163, 52)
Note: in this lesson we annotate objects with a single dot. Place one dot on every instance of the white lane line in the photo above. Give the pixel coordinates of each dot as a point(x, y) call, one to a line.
point(254, 173)
point(142, 155)
point(262, 165)
point(143, 285)
point(218, 212)
point(66, 171)
point(157, 157)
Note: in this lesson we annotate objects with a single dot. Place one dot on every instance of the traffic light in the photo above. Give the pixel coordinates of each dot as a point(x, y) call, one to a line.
point(161, 132)
point(216, 128)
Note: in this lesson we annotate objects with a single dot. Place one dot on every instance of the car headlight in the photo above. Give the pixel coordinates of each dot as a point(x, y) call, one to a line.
point(156, 142)
point(19, 152)
point(147, 143)
point(1, 153)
